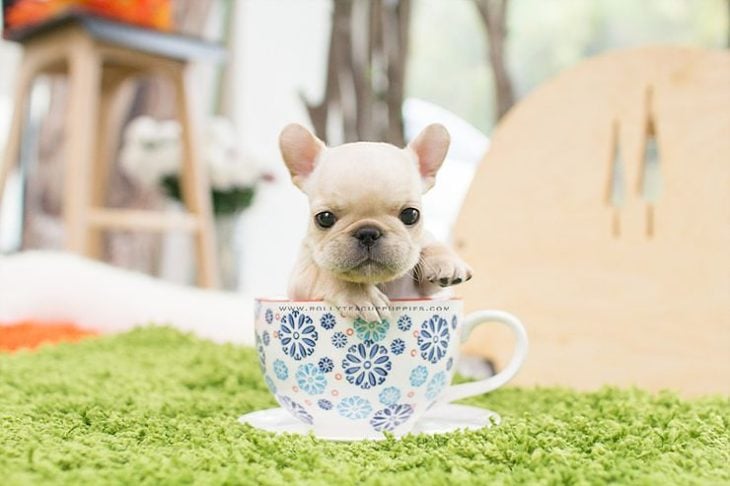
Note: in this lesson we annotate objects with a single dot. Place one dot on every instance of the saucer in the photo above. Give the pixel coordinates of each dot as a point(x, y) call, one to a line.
point(439, 420)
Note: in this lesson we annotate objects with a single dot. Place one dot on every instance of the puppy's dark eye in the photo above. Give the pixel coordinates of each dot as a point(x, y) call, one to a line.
point(410, 216)
point(325, 219)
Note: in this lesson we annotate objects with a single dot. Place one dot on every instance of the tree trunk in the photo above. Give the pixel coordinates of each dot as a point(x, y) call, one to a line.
point(365, 81)
point(494, 16)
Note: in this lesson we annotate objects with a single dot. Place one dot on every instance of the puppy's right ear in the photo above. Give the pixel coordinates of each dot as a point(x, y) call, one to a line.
point(300, 149)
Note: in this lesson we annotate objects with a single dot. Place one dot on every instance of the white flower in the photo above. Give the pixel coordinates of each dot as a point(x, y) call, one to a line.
point(152, 150)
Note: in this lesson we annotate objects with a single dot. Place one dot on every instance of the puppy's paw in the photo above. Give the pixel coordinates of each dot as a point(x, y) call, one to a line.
point(444, 269)
point(365, 302)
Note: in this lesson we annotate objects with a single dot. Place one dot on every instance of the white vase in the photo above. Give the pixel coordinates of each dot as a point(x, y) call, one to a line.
point(227, 229)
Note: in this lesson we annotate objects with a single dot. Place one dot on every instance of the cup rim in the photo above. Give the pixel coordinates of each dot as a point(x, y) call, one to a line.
point(291, 301)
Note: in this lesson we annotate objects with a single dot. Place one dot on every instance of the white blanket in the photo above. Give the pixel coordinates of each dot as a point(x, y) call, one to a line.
point(57, 286)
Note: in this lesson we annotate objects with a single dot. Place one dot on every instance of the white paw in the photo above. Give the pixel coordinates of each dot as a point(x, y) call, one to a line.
point(366, 302)
point(445, 270)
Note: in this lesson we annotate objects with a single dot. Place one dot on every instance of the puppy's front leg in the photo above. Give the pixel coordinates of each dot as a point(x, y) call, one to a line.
point(439, 267)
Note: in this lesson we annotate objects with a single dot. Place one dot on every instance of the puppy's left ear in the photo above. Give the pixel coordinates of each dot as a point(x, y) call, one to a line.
point(300, 150)
point(430, 147)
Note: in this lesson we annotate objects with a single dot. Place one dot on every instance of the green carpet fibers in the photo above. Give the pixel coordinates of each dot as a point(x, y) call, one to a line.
point(156, 406)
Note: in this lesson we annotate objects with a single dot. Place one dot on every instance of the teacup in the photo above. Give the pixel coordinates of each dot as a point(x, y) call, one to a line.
point(352, 379)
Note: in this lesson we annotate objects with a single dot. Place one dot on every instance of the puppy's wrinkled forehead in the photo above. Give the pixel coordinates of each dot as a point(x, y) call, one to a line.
point(365, 174)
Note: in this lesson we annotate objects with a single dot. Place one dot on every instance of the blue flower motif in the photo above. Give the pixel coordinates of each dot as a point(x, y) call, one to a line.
point(404, 323)
point(437, 383)
point(391, 417)
point(454, 322)
point(324, 404)
point(366, 364)
point(327, 321)
point(260, 351)
point(269, 316)
point(397, 346)
point(267, 338)
point(389, 396)
point(298, 335)
point(280, 370)
point(270, 383)
point(310, 379)
point(339, 340)
point(297, 410)
point(433, 340)
point(354, 408)
point(371, 331)
point(419, 374)
point(449, 364)
point(326, 365)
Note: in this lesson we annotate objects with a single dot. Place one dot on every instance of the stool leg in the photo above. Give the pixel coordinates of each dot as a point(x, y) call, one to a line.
point(24, 83)
point(195, 186)
point(107, 139)
point(80, 148)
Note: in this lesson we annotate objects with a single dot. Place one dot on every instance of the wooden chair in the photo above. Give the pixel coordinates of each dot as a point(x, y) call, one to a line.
point(631, 290)
point(98, 56)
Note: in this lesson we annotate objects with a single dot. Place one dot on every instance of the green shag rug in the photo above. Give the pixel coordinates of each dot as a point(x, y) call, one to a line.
point(159, 407)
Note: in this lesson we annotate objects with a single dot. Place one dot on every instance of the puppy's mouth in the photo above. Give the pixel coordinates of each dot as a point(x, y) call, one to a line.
point(368, 268)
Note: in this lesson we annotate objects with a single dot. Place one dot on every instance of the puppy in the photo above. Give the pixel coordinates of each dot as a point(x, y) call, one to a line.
point(365, 243)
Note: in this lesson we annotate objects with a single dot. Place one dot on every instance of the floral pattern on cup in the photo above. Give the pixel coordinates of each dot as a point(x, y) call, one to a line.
point(269, 316)
point(328, 321)
point(419, 375)
point(295, 409)
point(310, 379)
point(270, 384)
point(371, 331)
point(391, 417)
point(261, 353)
point(354, 408)
point(367, 364)
point(325, 365)
point(389, 396)
point(433, 340)
point(298, 335)
point(339, 340)
point(266, 338)
point(280, 370)
point(397, 346)
point(324, 404)
point(436, 385)
point(405, 323)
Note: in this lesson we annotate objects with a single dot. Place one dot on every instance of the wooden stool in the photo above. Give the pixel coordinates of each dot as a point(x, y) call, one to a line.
point(98, 56)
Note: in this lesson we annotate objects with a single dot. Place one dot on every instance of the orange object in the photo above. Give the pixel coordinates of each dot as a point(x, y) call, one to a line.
point(156, 14)
point(31, 334)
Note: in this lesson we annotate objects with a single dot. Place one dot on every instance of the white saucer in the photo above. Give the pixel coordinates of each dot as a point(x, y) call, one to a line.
point(439, 420)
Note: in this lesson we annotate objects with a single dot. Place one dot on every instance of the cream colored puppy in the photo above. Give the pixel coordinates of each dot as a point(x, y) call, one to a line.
point(365, 242)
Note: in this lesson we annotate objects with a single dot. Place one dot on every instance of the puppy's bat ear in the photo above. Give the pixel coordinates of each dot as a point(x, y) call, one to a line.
point(300, 149)
point(430, 147)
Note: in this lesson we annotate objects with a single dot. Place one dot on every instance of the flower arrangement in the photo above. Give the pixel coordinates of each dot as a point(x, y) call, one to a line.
point(152, 153)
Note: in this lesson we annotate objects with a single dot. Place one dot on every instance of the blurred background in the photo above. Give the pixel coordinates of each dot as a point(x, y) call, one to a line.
point(353, 70)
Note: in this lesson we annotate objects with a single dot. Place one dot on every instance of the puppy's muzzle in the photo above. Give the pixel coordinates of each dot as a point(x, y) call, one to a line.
point(367, 235)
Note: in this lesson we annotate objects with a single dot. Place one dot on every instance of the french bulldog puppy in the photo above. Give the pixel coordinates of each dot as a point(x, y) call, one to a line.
point(365, 243)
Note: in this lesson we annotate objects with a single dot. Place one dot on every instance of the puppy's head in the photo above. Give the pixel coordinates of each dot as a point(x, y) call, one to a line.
point(365, 200)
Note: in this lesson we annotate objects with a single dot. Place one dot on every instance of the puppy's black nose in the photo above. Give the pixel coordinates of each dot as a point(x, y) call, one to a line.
point(367, 235)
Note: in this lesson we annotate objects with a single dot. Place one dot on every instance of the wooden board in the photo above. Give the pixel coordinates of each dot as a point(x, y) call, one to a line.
point(610, 295)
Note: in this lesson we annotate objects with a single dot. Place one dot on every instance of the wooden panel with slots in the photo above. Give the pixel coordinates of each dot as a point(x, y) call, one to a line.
point(632, 288)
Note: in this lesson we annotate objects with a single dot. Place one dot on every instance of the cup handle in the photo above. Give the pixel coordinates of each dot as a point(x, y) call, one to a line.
point(464, 390)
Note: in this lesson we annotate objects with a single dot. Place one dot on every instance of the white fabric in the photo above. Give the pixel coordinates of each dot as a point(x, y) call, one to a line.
point(49, 285)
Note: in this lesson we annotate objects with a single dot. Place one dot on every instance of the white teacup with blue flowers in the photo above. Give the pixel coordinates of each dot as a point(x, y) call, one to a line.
point(352, 379)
